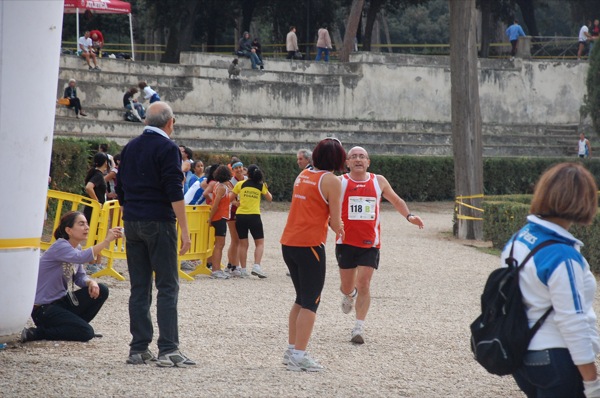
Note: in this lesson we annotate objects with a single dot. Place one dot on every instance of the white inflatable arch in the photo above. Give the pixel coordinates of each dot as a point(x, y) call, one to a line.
point(30, 35)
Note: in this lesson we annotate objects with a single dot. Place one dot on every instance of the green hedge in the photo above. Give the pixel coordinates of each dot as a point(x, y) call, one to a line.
point(503, 218)
point(414, 178)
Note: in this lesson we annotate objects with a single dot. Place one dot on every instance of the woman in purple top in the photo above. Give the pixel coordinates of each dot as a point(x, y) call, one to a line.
point(59, 312)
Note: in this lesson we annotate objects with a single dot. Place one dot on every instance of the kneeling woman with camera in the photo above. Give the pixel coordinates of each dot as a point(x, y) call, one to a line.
point(59, 312)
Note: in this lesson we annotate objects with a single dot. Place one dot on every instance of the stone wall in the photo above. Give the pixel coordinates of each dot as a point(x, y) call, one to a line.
point(395, 104)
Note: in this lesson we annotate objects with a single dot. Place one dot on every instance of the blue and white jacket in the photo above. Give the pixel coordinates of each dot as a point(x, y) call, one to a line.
point(560, 277)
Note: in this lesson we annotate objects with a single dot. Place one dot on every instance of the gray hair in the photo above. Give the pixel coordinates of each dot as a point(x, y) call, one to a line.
point(158, 114)
point(306, 153)
point(72, 81)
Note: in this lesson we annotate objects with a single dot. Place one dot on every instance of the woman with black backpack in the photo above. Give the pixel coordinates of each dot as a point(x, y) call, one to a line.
point(560, 361)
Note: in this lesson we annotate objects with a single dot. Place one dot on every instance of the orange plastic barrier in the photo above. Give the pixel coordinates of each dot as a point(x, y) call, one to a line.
point(108, 216)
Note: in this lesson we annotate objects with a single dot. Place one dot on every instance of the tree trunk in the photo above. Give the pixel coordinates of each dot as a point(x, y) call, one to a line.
point(180, 32)
point(248, 7)
point(466, 115)
point(351, 28)
point(386, 30)
point(374, 8)
point(486, 26)
point(528, 12)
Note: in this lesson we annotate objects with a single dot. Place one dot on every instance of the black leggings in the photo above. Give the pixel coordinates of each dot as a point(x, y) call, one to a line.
point(307, 270)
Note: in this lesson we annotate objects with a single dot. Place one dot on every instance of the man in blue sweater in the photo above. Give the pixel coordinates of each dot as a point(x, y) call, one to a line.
point(151, 193)
point(514, 32)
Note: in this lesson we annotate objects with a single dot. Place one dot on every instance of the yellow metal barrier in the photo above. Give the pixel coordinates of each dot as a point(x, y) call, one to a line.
point(111, 218)
point(108, 216)
point(460, 203)
point(202, 235)
point(55, 203)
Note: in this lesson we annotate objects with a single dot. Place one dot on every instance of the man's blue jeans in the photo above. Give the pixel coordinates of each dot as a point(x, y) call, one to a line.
point(322, 50)
point(152, 247)
point(253, 58)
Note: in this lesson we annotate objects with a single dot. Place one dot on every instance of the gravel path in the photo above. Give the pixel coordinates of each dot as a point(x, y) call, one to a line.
point(425, 295)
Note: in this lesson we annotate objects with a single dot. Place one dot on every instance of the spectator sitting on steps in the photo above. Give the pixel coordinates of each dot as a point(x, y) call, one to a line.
point(258, 48)
point(234, 69)
point(131, 103)
point(97, 41)
point(246, 49)
point(84, 48)
point(149, 94)
point(71, 95)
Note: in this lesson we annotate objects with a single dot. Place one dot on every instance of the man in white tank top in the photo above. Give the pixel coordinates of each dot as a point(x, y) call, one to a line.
point(584, 149)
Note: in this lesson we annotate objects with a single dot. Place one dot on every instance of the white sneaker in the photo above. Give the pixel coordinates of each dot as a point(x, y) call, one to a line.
point(286, 356)
point(244, 273)
point(187, 266)
point(235, 273)
point(174, 359)
point(306, 364)
point(256, 270)
point(358, 334)
point(219, 275)
point(348, 302)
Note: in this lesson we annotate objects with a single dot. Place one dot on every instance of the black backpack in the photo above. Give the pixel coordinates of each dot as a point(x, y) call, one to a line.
point(500, 335)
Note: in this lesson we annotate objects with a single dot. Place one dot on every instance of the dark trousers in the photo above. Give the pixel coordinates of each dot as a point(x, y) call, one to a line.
point(513, 51)
point(75, 104)
point(62, 320)
point(549, 373)
point(152, 247)
point(291, 55)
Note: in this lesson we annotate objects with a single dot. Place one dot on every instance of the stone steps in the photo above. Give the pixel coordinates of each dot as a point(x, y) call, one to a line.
point(327, 125)
point(252, 138)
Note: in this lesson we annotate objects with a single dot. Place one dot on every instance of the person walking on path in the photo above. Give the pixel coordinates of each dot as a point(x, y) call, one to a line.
point(150, 191)
point(291, 43)
point(561, 356)
point(584, 148)
point(323, 44)
point(513, 32)
point(358, 251)
point(248, 219)
point(584, 37)
point(316, 202)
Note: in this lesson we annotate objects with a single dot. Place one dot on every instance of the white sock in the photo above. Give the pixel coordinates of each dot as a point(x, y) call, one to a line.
point(353, 294)
point(291, 346)
point(359, 323)
point(298, 354)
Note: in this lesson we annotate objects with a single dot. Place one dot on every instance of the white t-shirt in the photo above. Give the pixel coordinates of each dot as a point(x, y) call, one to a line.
point(582, 147)
point(582, 37)
point(148, 92)
point(86, 43)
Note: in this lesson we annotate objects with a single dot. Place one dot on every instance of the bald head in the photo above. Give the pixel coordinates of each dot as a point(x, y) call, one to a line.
point(159, 114)
point(358, 149)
